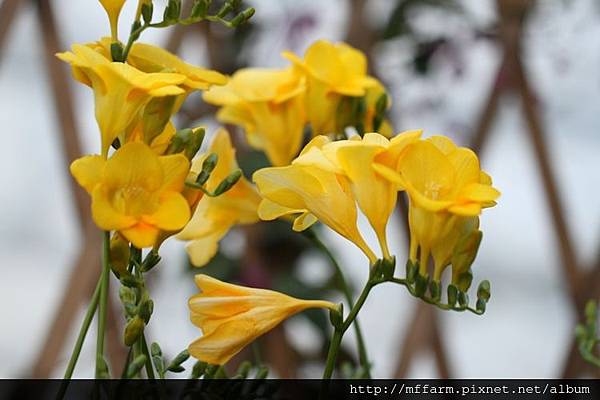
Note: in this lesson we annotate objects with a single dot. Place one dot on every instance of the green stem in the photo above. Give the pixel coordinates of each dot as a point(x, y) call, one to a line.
point(87, 320)
point(339, 331)
point(127, 361)
point(332, 354)
point(104, 282)
point(362, 348)
point(149, 368)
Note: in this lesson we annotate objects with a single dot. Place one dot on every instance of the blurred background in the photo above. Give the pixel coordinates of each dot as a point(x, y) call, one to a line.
point(516, 79)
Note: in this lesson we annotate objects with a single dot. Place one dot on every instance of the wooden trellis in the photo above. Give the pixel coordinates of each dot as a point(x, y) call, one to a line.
point(511, 79)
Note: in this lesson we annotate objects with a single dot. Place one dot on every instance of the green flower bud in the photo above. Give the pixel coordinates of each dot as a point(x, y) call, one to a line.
point(411, 271)
point(435, 290)
point(127, 295)
point(242, 17)
point(147, 11)
point(480, 306)
point(133, 330)
point(421, 283)
point(336, 316)
point(228, 182)
point(243, 370)
point(136, 366)
point(146, 309)
point(116, 52)
point(198, 369)
point(178, 360)
point(118, 255)
point(199, 9)
point(151, 260)
point(195, 142)
point(483, 291)
point(463, 299)
point(452, 295)
point(262, 373)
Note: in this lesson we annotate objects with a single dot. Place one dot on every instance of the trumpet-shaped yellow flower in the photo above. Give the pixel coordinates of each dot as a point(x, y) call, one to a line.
point(232, 316)
point(269, 105)
point(151, 59)
point(113, 9)
point(214, 216)
point(354, 158)
point(120, 90)
point(445, 185)
point(135, 192)
point(316, 189)
point(333, 71)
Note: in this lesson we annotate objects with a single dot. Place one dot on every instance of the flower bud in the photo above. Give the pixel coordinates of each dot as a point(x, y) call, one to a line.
point(194, 143)
point(421, 283)
point(136, 366)
point(126, 295)
point(411, 271)
point(118, 255)
point(224, 10)
point(243, 370)
point(242, 17)
point(463, 299)
point(175, 365)
point(146, 309)
point(147, 10)
point(435, 290)
point(199, 9)
point(228, 182)
point(151, 260)
point(199, 368)
point(481, 304)
point(133, 330)
point(116, 52)
point(483, 291)
point(452, 295)
point(336, 317)
point(262, 373)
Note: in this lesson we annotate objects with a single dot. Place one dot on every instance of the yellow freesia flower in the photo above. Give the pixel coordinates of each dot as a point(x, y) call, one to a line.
point(120, 90)
point(354, 158)
point(232, 316)
point(445, 185)
point(333, 71)
point(135, 192)
point(153, 117)
point(113, 9)
point(214, 216)
point(315, 188)
point(269, 105)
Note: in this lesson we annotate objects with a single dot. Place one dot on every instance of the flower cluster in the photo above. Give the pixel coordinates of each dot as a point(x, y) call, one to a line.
point(148, 182)
point(329, 90)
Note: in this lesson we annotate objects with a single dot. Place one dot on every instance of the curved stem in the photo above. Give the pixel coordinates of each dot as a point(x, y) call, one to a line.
point(104, 282)
point(339, 331)
point(334, 348)
point(87, 320)
point(343, 285)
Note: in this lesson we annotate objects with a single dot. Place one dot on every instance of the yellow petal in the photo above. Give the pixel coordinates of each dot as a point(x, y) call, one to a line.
point(88, 171)
point(479, 193)
point(134, 164)
point(141, 235)
point(203, 249)
point(268, 210)
point(150, 58)
point(304, 221)
point(175, 170)
point(172, 214)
